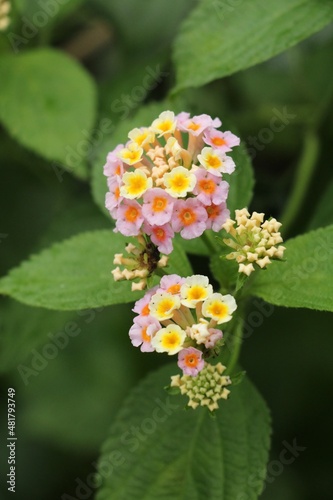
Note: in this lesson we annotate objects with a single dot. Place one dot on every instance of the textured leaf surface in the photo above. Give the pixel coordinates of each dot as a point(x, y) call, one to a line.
point(221, 37)
point(76, 274)
point(306, 278)
point(47, 103)
point(168, 453)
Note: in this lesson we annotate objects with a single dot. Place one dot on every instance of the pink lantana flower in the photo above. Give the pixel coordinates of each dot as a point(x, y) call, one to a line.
point(216, 162)
point(224, 141)
point(161, 236)
point(162, 179)
point(214, 336)
point(197, 124)
point(129, 218)
point(190, 361)
point(217, 215)
point(113, 197)
point(157, 207)
point(189, 218)
point(210, 188)
point(141, 306)
point(142, 331)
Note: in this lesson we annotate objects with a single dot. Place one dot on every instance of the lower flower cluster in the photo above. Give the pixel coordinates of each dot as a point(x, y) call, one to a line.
point(180, 316)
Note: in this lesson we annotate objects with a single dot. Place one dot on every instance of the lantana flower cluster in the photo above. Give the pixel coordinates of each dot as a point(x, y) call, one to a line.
point(169, 178)
point(253, 240)
point(180, 316)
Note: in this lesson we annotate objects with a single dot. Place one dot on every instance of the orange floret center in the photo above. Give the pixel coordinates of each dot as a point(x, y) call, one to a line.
point(218, 141)
point(145, 336)
point(213, 211)
point(159, 233)
point(131, 214)
point(174, 289)
point(187, 216)
point(193, 126)
point(145, 310)
point(191, 360)
point(207, 185)
point(214, 161)
point(159, 204)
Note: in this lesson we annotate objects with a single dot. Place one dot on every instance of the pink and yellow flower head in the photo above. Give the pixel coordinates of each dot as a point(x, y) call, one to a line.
point(180, 317)
point(169, 178)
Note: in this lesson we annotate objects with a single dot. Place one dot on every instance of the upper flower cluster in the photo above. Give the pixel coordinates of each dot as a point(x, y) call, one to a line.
point(180, 317)
point(168, 178)
point(253, 240)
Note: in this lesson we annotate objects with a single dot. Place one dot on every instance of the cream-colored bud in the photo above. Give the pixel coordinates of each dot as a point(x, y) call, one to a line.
point(261, 250)
point(139, 286)
point(251, 257)
point(130, 248)
point(280, 251)
point(259, 217)
point(141, 273)
point(241, 229)
point(117, 274)
point(228, 225)
point(163, 262)
point(271, 252)
point(118, 259)
point(175, 381)
point(129, 275)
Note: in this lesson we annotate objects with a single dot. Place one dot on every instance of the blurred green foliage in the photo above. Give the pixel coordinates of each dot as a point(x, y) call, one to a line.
point(96, 80)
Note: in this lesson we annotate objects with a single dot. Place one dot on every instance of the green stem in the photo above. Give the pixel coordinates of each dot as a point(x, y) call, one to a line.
point(237, 337)
point(305, 169)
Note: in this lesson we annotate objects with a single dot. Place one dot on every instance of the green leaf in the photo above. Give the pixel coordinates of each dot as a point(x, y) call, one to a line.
point(305, 279)
point(71, 382)
point(47, 103)
point(76, 274)
point(157, 26)
point(158, 450)
point(220, 38)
